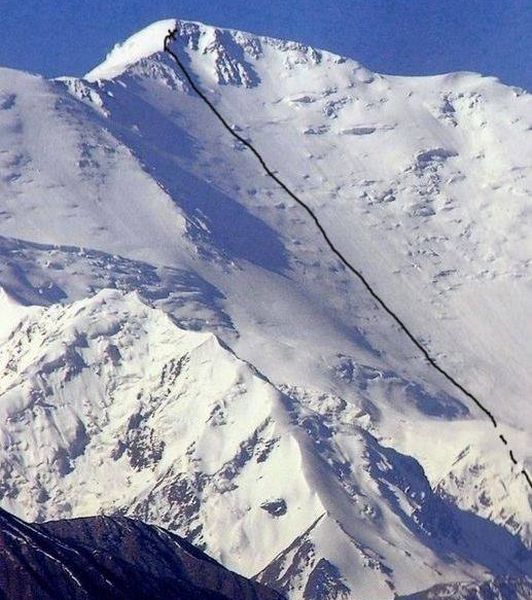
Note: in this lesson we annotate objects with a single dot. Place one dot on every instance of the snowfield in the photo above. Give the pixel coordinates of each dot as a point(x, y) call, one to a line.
point(179, 344)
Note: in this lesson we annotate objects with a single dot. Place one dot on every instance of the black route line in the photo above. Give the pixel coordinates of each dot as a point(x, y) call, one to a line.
point(172, 36)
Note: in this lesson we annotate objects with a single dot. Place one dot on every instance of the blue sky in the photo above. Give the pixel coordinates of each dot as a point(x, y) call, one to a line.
point(68, 37)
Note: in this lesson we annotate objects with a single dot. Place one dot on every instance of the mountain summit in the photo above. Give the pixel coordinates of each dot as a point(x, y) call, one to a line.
point(179, 343)
point(142, 45)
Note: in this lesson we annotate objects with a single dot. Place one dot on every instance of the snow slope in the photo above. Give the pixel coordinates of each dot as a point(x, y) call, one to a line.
point(109, 406)
point(208, 365)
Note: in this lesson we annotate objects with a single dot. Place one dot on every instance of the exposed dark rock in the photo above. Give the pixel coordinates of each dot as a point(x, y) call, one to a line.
point(325, 583)
point(276, 508)
point(111, 558)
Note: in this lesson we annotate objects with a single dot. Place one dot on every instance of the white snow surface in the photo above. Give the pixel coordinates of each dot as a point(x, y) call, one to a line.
point(141, 45)
point(178, 343)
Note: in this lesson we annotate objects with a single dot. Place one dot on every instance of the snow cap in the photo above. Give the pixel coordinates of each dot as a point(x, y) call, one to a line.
point(146, 42)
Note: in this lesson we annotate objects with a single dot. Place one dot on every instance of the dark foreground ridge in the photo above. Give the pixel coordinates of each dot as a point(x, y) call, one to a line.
point(111, 558)
point(171, 36)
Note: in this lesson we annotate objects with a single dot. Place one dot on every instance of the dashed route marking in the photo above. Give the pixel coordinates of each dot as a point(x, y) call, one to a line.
point(172, 36)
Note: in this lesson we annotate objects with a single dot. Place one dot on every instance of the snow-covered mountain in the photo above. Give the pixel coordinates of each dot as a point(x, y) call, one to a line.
point(180, 344)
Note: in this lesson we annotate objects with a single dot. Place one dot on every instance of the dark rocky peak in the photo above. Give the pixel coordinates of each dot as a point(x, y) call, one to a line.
point(108, 558)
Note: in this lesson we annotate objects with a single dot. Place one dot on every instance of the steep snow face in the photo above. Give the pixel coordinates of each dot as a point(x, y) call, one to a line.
point(107, 406)
point(439, 221)
point(443, 201)
point(321, 456)
point(66, 180)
